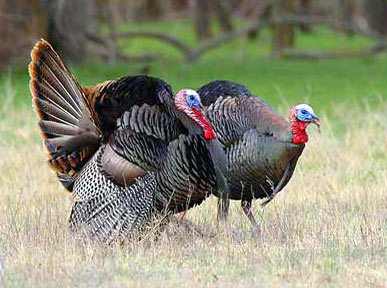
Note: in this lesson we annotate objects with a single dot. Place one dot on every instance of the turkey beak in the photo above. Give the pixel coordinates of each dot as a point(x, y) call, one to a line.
point(316, 121)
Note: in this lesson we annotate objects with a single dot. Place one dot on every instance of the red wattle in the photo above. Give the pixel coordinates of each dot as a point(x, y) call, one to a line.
point(299, 132)
point(202, 120)
point(209, 134)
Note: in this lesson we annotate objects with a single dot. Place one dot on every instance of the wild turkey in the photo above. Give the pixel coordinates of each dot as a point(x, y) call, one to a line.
point(262, 148)
point(126, 147)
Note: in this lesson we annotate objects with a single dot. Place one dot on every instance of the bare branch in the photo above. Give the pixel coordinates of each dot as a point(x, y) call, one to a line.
point(112, 52)
point(334, 23)
point(191, 54)
point(210, 45)
point(139, 58)
point(311, 54)
point(260, 21)
point(185, 49)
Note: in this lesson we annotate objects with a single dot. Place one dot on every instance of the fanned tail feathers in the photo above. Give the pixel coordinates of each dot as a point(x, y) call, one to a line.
point(66, 123)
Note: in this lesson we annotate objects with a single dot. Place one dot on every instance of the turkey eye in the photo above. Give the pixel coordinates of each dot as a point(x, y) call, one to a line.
point(191, 97)
point(303, 111)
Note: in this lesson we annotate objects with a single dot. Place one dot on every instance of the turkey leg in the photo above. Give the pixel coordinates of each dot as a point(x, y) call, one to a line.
point(223, 206)
point(246, 206)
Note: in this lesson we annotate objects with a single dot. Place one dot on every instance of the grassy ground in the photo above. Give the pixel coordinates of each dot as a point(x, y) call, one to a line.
point(328, 228)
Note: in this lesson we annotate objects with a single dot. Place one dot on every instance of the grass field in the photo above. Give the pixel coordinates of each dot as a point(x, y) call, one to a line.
point(328, 228)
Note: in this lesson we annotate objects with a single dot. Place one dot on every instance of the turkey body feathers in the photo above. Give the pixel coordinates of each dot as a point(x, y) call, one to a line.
point(153, 121)
point(108, 210)
point(187, 175)
point(257, 140)
point(233, 116)
point(257, 164)
point(112, 98)
point(210, 92)
point(183, 164)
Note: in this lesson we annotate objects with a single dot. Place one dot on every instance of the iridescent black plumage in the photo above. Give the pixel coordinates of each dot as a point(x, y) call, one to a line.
point(257, 141)
point(210, 92)
point(148, 156)
point(112, 98)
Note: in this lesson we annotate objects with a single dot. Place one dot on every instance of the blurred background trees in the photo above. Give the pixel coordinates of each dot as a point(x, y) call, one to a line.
point(92, 29)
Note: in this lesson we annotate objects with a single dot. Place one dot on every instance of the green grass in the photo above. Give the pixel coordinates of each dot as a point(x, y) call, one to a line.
point(321, 83)
point(318, 82)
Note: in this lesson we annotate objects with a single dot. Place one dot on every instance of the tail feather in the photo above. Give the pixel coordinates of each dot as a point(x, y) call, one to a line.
point(50, 79)
point(62, 102)
point(52, 113)
point(53, 129)
point(66, 122)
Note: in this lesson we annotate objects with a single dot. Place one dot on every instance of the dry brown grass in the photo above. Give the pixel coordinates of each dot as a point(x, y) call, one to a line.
point(328, 228)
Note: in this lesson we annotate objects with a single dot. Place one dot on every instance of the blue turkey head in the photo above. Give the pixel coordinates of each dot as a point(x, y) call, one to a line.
point(305, 113)
point(192, 98)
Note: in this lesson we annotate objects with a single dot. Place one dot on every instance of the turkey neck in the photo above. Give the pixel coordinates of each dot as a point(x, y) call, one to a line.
point(190, 124)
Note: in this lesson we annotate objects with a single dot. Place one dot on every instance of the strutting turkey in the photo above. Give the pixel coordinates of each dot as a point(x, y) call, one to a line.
point(126, 147)
point(262, 148)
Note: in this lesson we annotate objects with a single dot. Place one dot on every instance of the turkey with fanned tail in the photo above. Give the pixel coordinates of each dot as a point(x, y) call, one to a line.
point(262, 148)
point(125, 148)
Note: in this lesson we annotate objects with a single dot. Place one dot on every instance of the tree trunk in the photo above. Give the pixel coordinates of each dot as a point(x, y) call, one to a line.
point(376, 14)
point(21, 23)
point(110, 13)
point(68, 22)
point(347, 11)
point(283, 33)
point(201, 19)
point(224, 10)
point(305, 7)
point(3, 35)
point(150, 10)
